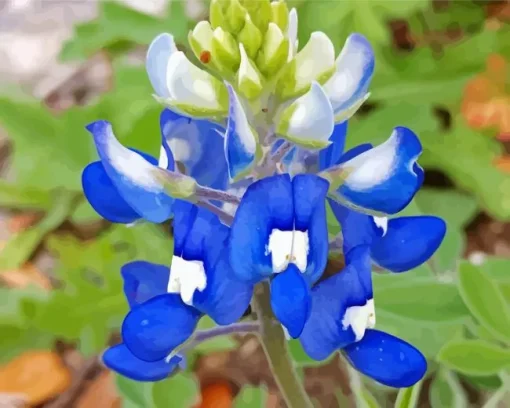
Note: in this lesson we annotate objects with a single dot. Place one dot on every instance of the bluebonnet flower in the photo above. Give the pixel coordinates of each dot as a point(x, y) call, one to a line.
point(225, 134)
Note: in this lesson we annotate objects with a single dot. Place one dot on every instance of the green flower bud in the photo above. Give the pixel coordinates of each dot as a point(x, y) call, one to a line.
point(251, 37)
point(217, 15)
point(249, 79)
point(225, 51)
point(280, 14)
point(236, 14)
point(274, 51)
point(315, 62)
point(260, 12)
point(200, 40)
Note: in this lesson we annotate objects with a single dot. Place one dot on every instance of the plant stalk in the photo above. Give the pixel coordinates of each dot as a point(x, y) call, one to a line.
point(275, 346)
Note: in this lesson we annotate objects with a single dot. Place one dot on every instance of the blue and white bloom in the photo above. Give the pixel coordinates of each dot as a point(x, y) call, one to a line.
point(201, 281)
point(142, 282)
point(263, 148)
point(122, 186)
point(280, 232)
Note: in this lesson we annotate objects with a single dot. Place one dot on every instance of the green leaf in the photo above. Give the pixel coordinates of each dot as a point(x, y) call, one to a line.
point(426, 336)
point(119, 28)
point(484, 300)
point(91, 291)
point(13, 196)
point(134, 393)
point(472, 167)
point(180, 390)
point(474, 357)
point(251, 397)
point(21, 245)
point(446, 391)
point(423, 299)
point(408, 397)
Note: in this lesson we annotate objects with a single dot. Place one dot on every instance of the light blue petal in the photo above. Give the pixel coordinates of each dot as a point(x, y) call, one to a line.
point(119, 359)
point(266, 205)
point(408, 242)
point(387, 359)
point(132, 174)
point(383, 180)
point(331, 155)
point(155, 328)
point(310, 216)
point(354, 70)
point(104, 197)
point(328, 327)
point(290, 300)
point(143, 281)
point(198, 145)
point(157, 60)
point(240, 138)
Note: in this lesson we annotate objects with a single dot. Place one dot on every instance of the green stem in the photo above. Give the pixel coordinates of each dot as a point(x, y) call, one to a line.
point(275, 346)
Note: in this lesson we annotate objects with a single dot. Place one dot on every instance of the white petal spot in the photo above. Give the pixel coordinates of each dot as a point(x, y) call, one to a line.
point(280, 248)
point(186, 277)
point(130, 164)
point(316, 58)
point(374, 166)
point(163, 158)
point(382, 222)
point(300, 249)
point(359, 318)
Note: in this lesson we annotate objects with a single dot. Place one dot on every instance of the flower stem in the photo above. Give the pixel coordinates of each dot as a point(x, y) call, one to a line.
point(275, 346)
point(208, 193)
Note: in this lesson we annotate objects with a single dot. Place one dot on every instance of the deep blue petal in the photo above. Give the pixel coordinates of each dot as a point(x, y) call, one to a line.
point(357, 228)
point(119, 359)
point(198, 144)
point(132, 174)
point(310, 216)
point(329, 326)
point(185, 214)
point(143, 281)
point(266, 205)
point(331, 155)
point(155, 328)
point(383, 180)
point(387, 359)
point(225, 298)
point(408, 242)
point(104, 197)
point(290, 300)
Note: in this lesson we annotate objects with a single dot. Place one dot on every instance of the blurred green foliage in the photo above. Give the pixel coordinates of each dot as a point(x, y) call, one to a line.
point(458, 314)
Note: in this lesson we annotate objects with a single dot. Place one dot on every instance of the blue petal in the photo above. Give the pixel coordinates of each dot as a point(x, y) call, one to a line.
point(266, 205)
point(166, 158)
point(354, 69)
point(240, 138)
point(104, 197)
point(119, 359)
point(289, 157)
point(357, 228)
point(383, 180)
point(225, 299)
point(290, 300)
point(326, 331)
point(132, 174)
point(355, 151)
point(185, 214)
point(143, 281)
point(310, 216)
point(198, 144)
point(408, 242)
point(331, 154)
point(157, 60)
point(387, 359)
point(155, 328)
